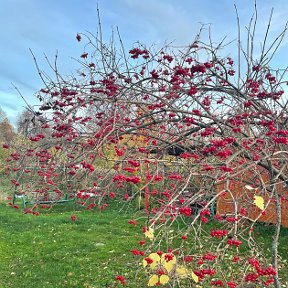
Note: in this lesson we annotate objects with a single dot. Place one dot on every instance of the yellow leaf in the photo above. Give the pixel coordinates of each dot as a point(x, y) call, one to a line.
point(164, 279)
point(156, 259)
point(153, 280)
point(149, 233)
point(195, 277)
point(168, 265)
point(183, 272)
point(259, 202)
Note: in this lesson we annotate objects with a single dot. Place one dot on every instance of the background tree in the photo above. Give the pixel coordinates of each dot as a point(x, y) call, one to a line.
point(6, 129)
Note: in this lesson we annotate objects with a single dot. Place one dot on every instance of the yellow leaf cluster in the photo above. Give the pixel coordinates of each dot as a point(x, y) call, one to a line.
point(155, 279)
point(155, 258)
point(160, 261)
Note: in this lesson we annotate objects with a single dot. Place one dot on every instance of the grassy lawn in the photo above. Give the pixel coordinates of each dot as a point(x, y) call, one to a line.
point(51, 251)
point(5, 187)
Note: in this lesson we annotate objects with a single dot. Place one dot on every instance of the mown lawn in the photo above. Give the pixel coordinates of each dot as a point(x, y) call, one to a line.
point(51, 251)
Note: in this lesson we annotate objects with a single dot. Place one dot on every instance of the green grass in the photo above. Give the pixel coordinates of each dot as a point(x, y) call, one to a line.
point(51, 251)
point(5, 187)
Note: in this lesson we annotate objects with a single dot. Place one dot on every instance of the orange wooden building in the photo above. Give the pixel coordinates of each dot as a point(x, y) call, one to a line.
point(244, 198)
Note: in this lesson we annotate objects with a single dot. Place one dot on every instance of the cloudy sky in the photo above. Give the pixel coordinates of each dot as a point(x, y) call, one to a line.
point(47, 26)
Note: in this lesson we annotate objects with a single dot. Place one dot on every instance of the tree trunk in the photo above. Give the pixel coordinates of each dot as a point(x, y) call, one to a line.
point(275, 240)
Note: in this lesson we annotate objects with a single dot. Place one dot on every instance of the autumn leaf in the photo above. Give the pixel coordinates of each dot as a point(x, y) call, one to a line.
point(168, 264)
point(259, 202)
point(183, 272)
point(149, 233)
point(195, 277)
point(153, 280)
point(164, 279)
point(155, 258)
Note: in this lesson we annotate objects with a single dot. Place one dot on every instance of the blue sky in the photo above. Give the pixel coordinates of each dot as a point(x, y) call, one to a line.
point(47, 26)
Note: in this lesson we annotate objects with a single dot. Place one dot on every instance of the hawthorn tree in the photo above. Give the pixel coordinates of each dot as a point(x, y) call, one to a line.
point(200, 138)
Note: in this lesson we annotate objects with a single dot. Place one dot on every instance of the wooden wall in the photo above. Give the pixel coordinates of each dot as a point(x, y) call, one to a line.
point(244, 198)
